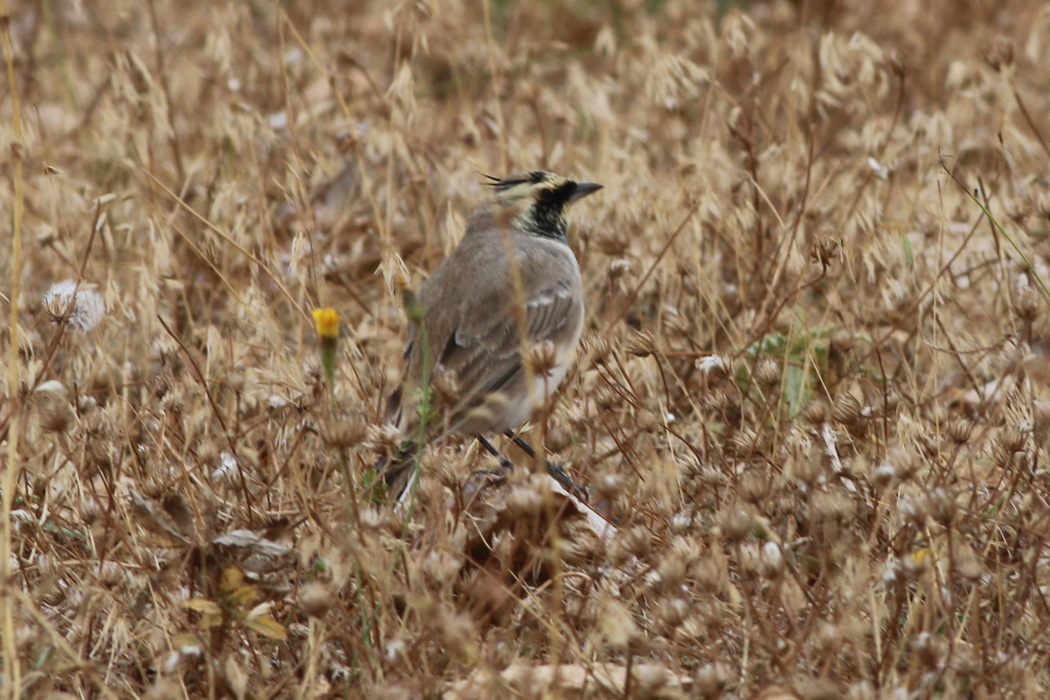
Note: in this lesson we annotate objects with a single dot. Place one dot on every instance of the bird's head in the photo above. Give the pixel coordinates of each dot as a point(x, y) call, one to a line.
point(537, 202)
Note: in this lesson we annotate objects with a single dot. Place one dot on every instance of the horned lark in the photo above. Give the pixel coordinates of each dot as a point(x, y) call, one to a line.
point(497, 323)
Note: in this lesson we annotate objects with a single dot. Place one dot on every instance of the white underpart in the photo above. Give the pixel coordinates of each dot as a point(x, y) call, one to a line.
point(547, 385)
point(544, 386)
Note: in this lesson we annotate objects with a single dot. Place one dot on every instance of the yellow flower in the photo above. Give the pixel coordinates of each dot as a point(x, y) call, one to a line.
point(327, 321)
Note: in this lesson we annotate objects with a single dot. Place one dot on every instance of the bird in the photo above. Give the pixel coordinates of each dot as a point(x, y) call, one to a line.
point(494, 329)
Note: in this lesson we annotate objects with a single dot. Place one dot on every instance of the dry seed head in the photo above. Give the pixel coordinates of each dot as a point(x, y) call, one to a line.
point(558, 438)
point(884, 475)
point(708, 574)
point(112, 573)
point(344, 433)
point(525, 501)
point(671, 613)
point(647, 422)
point(748, 559)
point(767, 372)
point(967, 563)
point(1000, 457)
point(930, 650)
point(1041, 203)
point(736, 525)
point(618, 268)
point(542, 359)
point(842, 341)
point(712, 680)
point(641, 344)
point(446, 389)
point(848, 409)
point(1012, 439)
point(599, 347)
point(681, 522)
point(383, 439)
point(1028, 305)
point(806, 466)
point(818, 689)
point(613, 242)
point(754, 487)
point(78, 304)
point(671, 572)
point(457, 630)
point(716, 400)
point(377, 519)
point(608, 486)
point(53, 407)
point(747, 442)
point(1040, 421)
point(816, 412)
point(58, 308)
point(97, 454)
point(827, 637)
point(914, 511)
point(823, 251)
point(928, 444)
point(1012, 353)
point(770, 561)
point(890, 401)
point(173, 402)
point(1000, 54)
point(606, 397)
point(440, 568)
point(163, 383)
point(90, 511)
point(315, 599)
point(941, 504)
point(617, 625)
point(831, 506)
point(499, 654)
point(963, 659)
point(637, 541)
point(715, 367)
point(959, 430)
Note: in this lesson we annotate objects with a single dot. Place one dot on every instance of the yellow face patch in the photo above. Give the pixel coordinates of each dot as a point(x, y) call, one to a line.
point(516, 194)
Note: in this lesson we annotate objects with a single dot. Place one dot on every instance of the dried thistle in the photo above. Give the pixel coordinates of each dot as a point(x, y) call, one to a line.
point(959, 430)
point(641, 344)
point(767, 372)
point(941, 505)
point(1028, 305)
point(816, 412)
point(53, 407)
point(344, 433)
point(848, 410)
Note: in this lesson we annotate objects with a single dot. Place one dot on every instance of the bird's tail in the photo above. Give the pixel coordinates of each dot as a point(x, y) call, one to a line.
point(399, 471)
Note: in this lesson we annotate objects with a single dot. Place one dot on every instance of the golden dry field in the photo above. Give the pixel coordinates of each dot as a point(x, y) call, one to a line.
point(810, 404)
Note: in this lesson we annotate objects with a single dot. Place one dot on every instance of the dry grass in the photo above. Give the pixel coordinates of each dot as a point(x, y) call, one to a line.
point(811, 394)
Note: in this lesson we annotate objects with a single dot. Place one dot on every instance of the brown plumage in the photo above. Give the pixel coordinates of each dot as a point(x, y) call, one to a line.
point(479, 314)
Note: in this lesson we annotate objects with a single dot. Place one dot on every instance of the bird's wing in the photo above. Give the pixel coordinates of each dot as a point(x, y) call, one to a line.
point(484, 356)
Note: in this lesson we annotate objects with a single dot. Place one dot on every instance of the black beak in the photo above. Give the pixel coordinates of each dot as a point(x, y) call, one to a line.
point(583, 189)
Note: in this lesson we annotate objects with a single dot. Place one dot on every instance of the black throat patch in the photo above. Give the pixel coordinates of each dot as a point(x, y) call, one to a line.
point(546, 217)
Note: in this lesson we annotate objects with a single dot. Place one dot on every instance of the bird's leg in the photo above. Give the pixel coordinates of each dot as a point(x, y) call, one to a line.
point(505, 465)
point(556, 471)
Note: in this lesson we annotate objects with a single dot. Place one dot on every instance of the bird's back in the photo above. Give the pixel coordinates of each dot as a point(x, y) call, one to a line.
point(471, 311)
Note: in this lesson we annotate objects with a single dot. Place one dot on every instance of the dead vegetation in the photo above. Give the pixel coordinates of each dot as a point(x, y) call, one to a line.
point(811, 394)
